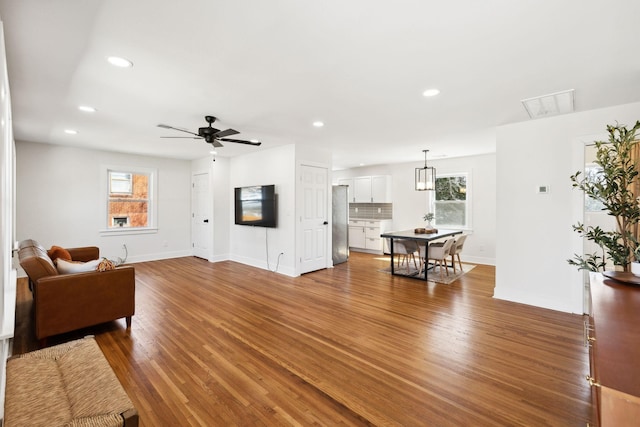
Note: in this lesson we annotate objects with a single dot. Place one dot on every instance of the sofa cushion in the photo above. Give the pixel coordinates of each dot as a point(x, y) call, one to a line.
point(68, 267)
point(58, 252)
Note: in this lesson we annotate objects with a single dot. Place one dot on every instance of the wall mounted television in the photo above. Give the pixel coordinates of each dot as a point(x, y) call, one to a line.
point(256, 205)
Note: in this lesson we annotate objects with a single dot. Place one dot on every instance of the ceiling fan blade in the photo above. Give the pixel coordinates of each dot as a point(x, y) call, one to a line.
point(240, 141)
point(182, 137)
point(224, 133)
point(175, 128)
point(217, 143)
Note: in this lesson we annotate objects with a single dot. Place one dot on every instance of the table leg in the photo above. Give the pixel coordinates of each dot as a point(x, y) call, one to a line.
point(391, 247)
point(426, 260)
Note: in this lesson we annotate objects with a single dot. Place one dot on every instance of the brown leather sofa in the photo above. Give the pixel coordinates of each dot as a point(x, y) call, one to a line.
point(66, 302)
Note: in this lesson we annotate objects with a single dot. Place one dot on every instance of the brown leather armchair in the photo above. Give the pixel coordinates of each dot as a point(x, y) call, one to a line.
point(66, 302)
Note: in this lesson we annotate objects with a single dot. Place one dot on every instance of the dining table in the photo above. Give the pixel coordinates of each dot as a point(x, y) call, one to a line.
point(425, 238)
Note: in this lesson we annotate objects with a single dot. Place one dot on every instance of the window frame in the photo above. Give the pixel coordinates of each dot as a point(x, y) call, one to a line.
point(105, 188)
point(468, 202)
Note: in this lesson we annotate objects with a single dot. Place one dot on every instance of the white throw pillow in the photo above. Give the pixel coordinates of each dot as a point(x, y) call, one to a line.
point(66, 267)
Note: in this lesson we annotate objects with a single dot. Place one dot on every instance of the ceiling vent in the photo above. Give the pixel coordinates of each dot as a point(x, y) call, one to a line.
point(549, 105)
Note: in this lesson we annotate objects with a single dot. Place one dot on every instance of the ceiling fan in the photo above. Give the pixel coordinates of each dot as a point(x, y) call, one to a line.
point(210, 134)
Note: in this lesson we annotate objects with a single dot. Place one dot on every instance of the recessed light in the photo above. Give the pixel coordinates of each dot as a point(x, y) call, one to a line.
point(430, 92)
point(71, 131)
point(120, 62)
point(86, 109)
point(318, 124)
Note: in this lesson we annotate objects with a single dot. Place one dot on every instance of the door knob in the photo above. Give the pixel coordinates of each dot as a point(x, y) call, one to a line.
point(206, 220)
point(325, 223)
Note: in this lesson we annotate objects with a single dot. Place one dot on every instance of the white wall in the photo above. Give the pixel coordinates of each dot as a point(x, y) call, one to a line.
point(248, 245)
point(409, 205)
point(535, 237)
point(58, 201)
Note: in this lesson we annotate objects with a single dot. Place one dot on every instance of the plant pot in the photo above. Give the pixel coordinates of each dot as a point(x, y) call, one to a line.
point(635, 268)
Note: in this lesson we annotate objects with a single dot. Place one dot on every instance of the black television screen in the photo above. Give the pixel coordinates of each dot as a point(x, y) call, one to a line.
point(256, 205)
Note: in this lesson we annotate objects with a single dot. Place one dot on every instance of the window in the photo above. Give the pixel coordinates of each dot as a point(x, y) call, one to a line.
point(129, 202)
point(593, 173)
point(451, 206)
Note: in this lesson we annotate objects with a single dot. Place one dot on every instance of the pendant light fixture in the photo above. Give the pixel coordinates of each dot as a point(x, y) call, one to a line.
point(426, 176)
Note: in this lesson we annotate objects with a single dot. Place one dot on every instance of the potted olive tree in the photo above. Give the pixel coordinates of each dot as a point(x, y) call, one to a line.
point(615, 186)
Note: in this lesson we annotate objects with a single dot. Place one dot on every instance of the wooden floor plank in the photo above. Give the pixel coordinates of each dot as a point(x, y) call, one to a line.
point(220, 344)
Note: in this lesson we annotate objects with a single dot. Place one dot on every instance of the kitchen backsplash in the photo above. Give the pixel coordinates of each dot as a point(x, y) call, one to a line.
point(371, 210)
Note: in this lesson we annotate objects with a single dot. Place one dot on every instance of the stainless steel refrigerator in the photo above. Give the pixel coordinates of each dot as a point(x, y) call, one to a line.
point(340, 224)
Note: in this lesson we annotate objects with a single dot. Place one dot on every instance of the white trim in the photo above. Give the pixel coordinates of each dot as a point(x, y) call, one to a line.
point(127, 231)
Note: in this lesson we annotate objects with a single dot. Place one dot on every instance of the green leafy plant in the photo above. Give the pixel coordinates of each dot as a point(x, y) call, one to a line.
point(613, 186)
point(428, 217)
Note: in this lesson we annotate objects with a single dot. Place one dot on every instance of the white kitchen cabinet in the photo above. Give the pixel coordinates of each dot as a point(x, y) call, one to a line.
point(357, 237)
point(362, 189)
point(381, 189)
point(366, 234)
point(349, 183)
point(368, 189)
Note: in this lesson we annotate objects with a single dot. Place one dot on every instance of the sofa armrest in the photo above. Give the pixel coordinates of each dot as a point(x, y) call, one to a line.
point(87, 253)
point(67, 302)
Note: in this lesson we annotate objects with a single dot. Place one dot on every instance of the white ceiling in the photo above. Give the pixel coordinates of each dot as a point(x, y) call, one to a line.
point(271, 68)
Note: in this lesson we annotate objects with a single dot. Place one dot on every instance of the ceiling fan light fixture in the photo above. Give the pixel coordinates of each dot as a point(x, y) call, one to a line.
point(118, 61)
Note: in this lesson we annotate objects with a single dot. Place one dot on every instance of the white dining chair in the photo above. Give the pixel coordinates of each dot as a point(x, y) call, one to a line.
point(438, 252)
point(406, 250)
point(456, 248)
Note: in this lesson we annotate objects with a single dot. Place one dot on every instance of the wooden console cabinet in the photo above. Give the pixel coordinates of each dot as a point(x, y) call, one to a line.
point(613, 335)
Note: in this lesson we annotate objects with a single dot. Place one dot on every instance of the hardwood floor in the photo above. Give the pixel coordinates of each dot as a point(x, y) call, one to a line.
point(220, 344)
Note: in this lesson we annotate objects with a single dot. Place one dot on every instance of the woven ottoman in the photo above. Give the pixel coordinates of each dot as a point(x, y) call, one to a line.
point(69, 384)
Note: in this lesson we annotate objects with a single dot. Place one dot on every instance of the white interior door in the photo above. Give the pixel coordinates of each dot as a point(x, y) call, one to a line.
point(201, 228)
point(314, 222)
